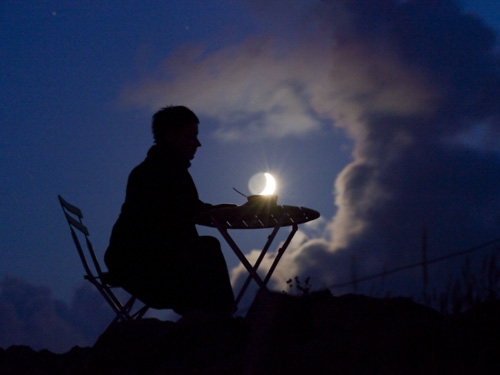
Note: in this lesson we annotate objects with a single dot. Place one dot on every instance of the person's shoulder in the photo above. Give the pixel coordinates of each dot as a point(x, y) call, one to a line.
point(141, 168)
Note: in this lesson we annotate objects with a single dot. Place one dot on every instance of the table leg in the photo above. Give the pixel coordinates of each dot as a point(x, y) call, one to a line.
point(281, 251)
point(252, 270)
point(270, 239)
point(241, 256)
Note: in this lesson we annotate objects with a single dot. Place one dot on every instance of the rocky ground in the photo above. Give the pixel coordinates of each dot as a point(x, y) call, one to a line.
point(281, 334)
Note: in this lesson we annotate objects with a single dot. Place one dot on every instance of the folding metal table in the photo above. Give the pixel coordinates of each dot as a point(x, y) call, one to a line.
point(256, 216)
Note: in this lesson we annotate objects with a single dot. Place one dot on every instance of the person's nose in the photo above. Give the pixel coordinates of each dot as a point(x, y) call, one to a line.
point(198, 143)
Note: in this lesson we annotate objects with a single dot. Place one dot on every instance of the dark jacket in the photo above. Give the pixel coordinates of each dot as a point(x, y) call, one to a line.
point(156, 218)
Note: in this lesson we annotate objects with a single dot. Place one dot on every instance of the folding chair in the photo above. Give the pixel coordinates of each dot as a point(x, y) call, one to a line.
point(93, 271)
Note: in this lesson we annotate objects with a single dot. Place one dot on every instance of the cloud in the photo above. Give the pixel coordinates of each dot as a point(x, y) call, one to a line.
point(255, 90)
point(408, 81)
point(30, 315)
point(406, 172)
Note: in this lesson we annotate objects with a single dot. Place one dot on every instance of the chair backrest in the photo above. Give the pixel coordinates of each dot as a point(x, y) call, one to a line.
point(90, 262)
point(93, 271)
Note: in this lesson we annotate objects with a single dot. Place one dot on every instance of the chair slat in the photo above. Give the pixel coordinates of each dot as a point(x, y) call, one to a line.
point(73, 209)
point(82, 228)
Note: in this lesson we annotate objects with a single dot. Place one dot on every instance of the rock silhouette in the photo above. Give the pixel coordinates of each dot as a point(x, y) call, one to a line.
point(282, 334)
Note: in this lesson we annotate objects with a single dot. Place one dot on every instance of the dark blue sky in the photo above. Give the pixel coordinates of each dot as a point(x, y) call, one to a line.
point(395, 103)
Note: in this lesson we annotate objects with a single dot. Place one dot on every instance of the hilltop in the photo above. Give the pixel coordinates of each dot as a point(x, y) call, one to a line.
point(282, 334)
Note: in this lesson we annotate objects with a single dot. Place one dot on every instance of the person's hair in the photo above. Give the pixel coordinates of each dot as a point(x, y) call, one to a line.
point(171, 119)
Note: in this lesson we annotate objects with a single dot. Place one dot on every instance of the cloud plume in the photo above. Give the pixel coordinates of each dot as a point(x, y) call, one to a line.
point(415, 84)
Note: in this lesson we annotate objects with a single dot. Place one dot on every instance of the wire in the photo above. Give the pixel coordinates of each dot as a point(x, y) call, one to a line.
point(414, 265)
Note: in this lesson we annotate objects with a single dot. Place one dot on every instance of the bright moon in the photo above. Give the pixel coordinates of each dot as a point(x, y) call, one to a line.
point(262, 184)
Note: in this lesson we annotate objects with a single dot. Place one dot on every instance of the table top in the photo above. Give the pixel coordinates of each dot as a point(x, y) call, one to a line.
point(252, 216)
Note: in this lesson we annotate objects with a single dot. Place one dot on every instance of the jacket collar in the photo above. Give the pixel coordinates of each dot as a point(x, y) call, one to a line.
point(164, 154)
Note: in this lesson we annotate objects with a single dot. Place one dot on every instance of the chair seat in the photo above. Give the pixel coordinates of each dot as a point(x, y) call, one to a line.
point(106, 278)
point(110, 280)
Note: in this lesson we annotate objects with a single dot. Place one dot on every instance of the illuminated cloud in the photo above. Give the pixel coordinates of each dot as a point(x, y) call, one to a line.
point(253, 90)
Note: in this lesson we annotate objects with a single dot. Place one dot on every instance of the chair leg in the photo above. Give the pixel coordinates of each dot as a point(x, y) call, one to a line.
point(140, 313)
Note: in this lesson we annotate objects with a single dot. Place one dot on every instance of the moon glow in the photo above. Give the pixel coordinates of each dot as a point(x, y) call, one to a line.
point(262, 184)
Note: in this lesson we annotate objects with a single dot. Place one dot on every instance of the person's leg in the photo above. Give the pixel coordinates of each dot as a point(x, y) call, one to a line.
point(155, 278)
point(196, 280)
point(222, 289)
point(208, 280)
point(154, 290)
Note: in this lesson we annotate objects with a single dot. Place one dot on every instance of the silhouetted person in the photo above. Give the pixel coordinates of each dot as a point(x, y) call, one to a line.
point(155, 252)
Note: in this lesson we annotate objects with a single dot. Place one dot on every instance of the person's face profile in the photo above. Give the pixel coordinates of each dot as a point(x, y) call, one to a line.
point(185, 141)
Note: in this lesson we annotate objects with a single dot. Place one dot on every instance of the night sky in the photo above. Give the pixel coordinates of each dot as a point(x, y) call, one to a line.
point(382, 115)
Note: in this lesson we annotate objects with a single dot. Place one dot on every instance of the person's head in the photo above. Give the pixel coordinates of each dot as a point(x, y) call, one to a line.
point(177, 127)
